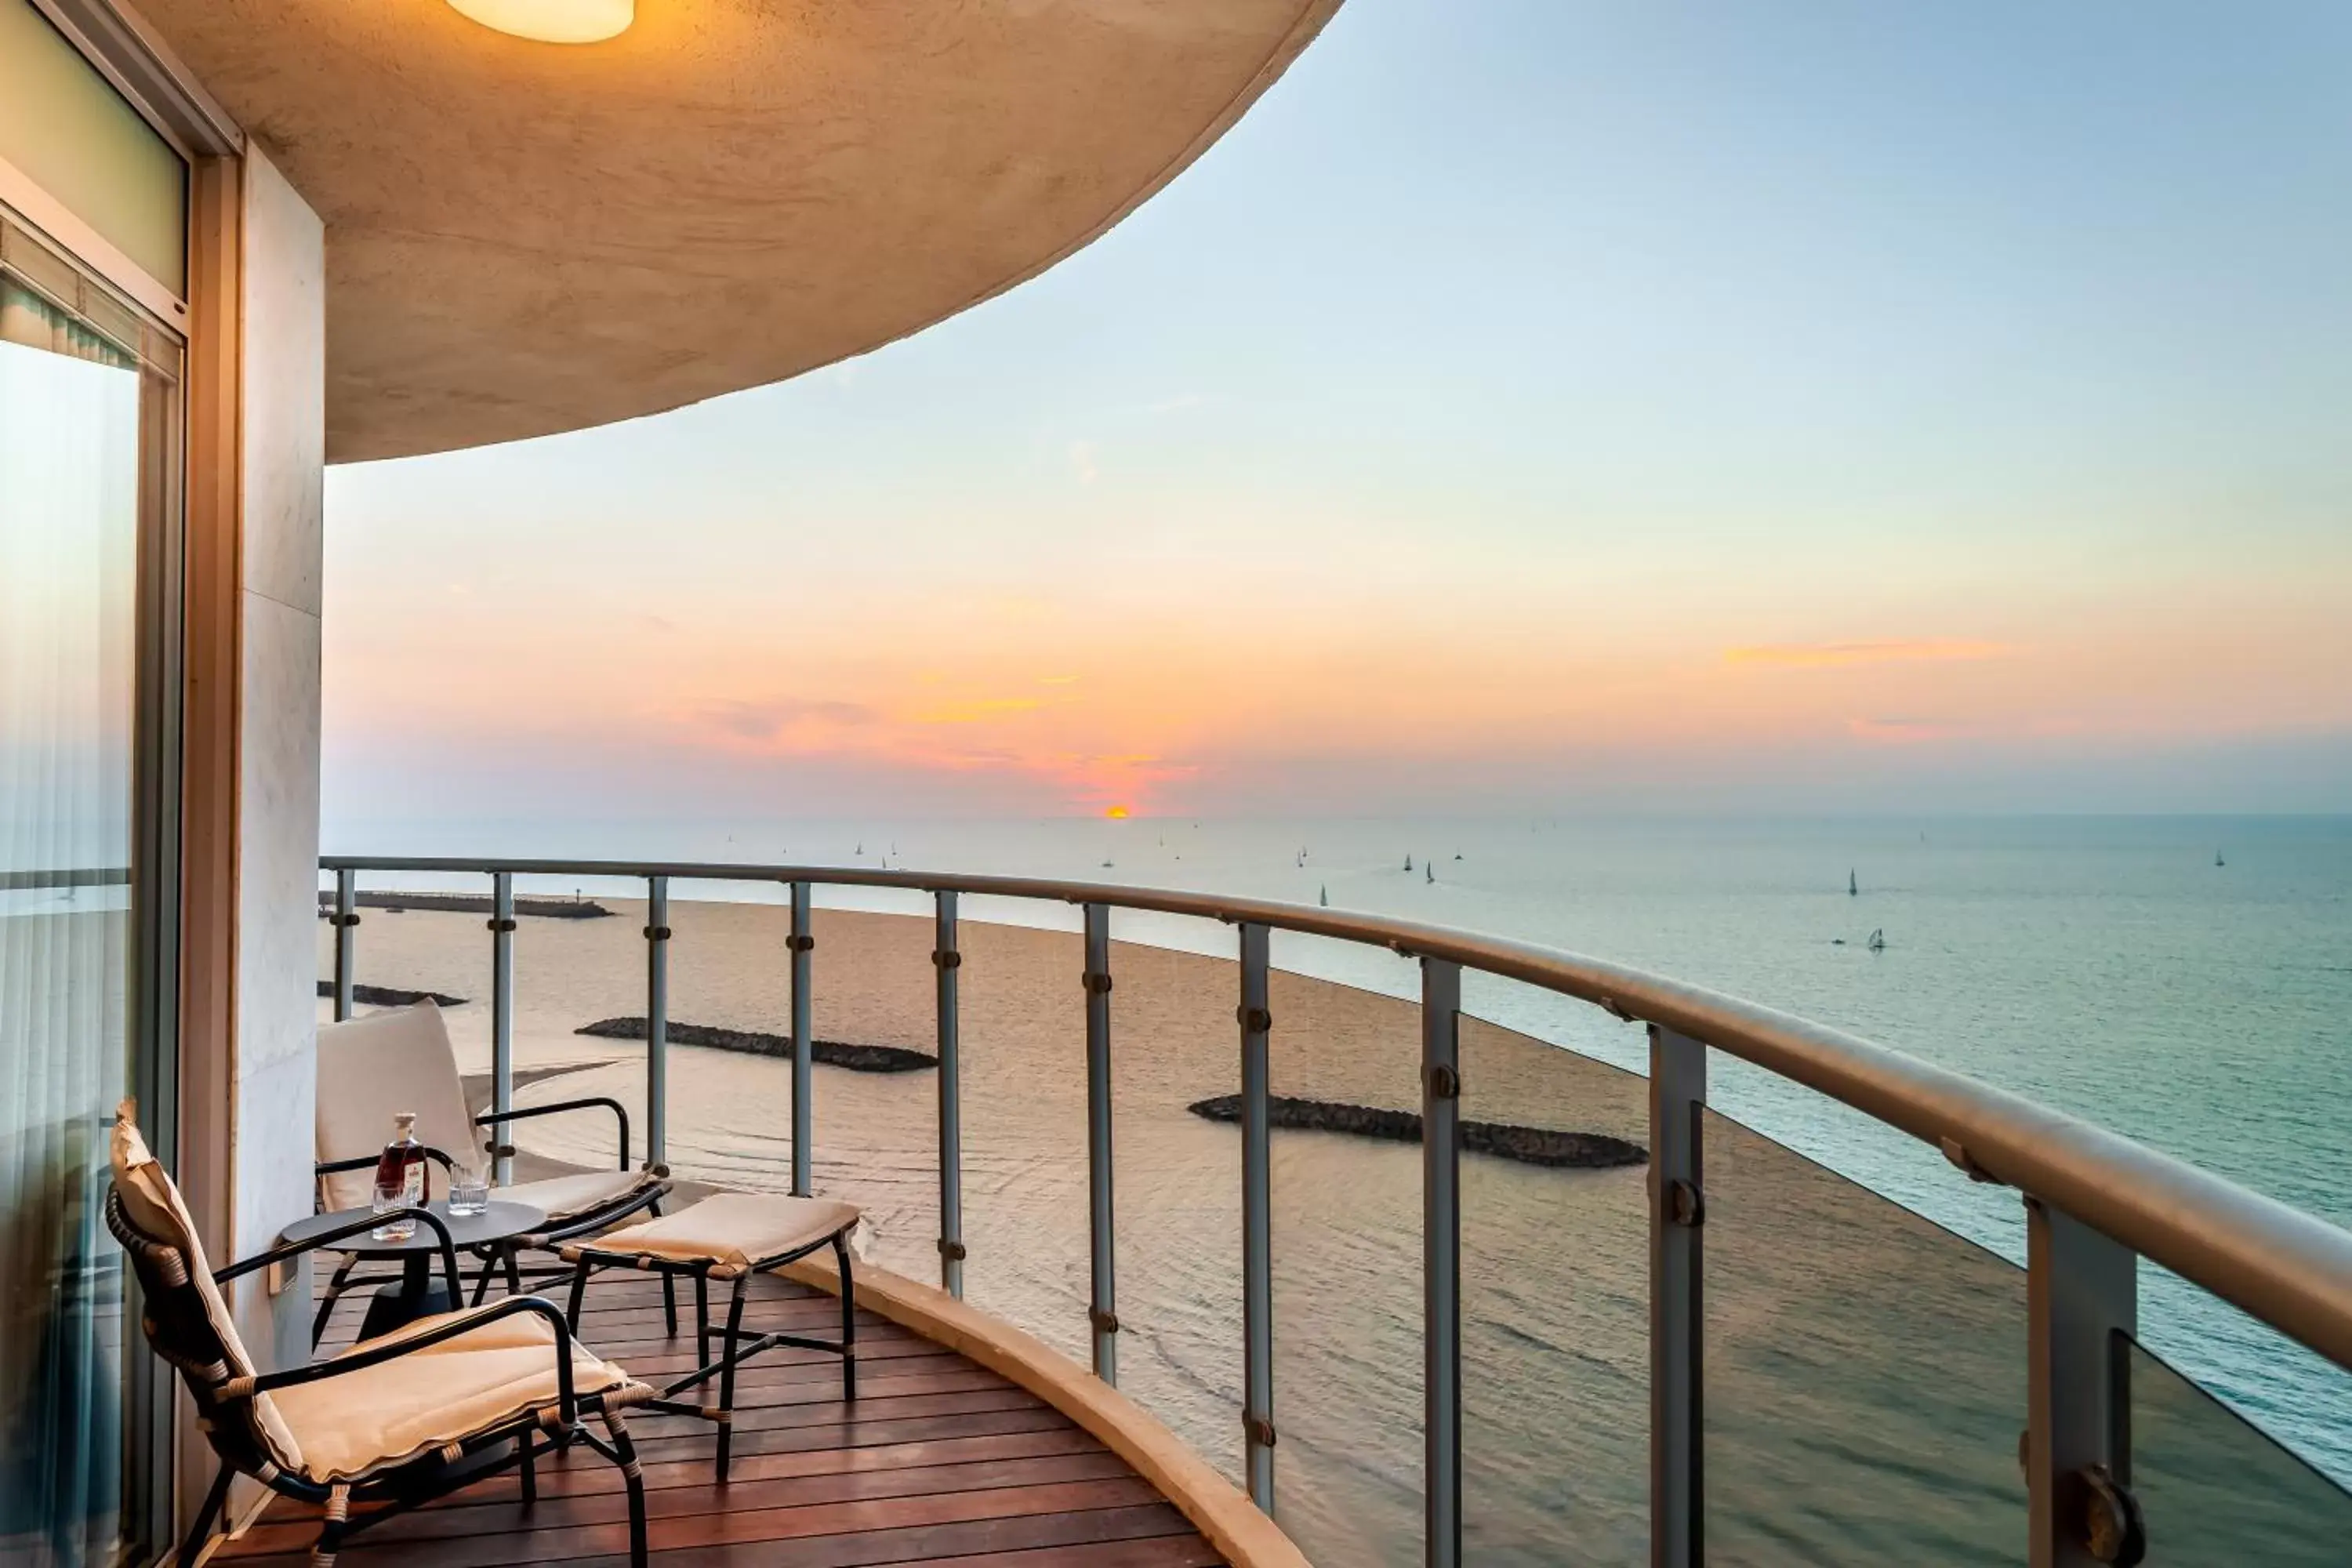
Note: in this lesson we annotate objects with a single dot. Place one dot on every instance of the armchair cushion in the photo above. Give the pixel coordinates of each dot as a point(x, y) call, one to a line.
point(152, 1203)
point(562, 1197)
point(382, 1416)
point(372, 1066)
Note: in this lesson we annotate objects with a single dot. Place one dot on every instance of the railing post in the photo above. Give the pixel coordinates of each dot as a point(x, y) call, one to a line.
point(347, 921)
point(1677, 1316)
point(2082, 1300)
point(1257, 1225)
point(804, 1089)
point(1101, 1220)
point(1441, 1253)
point(658, 1020)
point(502, 929)
point(945, 955)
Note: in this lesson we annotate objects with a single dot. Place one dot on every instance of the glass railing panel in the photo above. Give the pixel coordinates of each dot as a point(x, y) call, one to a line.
point(579, 1016)
point(1863, 1384)
point(323, 942)
point(1347, 1241)
point(1178, 1193)
point(1554, 1304)
point(2216, 1490)
point(1024, 1129)
point(728, 1071)
point(423, 941)
point(413, 942)
point(872, 1079)
point(874, 1120)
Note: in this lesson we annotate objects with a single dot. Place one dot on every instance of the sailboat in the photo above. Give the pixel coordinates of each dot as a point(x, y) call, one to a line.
point(1877, 942)
point(1432, 875)
point(2217, 859)
point(1323, 897)
point(1852, 887)
point(1408, 862)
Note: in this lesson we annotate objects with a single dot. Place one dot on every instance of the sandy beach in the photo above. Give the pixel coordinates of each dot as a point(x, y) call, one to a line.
point(1864, 1374)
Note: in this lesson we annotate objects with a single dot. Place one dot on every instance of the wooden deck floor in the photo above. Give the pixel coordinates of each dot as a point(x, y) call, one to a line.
point(938, 1460)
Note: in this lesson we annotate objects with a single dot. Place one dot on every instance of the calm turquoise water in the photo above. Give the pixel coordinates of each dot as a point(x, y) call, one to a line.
point(2107, 966)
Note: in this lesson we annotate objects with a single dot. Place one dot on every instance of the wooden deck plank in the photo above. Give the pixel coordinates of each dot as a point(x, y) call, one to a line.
point(1148, 1552)
point(938, 1459)
point(921, 1543)
point(466, 1516)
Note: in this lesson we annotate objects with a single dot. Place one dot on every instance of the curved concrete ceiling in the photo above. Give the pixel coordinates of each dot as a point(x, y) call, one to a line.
point(523, 238)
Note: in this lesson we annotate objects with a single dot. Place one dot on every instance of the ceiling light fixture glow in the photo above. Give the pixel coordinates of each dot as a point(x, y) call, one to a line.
point(554, 21)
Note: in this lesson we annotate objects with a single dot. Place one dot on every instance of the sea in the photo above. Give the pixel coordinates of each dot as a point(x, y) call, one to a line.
point(2186, 982)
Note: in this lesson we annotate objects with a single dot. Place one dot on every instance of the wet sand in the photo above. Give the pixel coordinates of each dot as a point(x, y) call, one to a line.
point(1862, 1387)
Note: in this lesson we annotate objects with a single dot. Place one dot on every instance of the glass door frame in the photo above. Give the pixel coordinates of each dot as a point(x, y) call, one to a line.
point(36, 258)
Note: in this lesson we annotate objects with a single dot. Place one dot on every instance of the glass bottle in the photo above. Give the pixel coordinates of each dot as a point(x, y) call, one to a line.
point(400, 1177)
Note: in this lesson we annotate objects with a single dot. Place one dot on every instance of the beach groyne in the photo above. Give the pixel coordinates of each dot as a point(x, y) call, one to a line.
point(470, 904)
point(756, 1042)
point(1528, 1145)
point(392, 995)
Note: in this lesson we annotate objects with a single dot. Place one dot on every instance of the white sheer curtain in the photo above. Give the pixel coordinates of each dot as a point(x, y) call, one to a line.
point(69, 498)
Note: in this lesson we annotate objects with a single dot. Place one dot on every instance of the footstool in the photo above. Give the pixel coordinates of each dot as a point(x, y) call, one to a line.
point(729, 1235)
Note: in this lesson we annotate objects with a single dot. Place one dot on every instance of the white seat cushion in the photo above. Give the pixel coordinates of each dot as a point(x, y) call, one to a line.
point(350, 1424)
point(733, 1232)
point(562, 1197)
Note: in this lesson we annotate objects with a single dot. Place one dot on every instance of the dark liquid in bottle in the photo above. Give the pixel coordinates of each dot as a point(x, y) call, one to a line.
point(398, 1159)
point(401, 1169)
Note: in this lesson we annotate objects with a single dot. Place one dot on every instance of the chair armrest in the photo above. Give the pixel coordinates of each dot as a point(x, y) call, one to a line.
point(567, 1402)
point(620, 1113)
point(655, 1188)
point(286, 1250)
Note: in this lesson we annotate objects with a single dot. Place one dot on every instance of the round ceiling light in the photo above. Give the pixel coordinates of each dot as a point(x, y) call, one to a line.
point(554, 21)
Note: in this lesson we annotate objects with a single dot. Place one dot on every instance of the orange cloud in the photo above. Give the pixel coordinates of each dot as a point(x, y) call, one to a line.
point(1831, 655)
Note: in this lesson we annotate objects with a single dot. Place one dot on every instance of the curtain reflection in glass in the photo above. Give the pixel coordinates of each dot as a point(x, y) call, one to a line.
point(69, 498)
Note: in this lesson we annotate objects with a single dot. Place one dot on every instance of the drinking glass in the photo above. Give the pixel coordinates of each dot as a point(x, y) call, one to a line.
point(389, 1196)
point(470, 1190)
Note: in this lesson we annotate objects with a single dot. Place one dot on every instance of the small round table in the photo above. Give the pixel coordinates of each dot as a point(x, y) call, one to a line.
point(420, 1291)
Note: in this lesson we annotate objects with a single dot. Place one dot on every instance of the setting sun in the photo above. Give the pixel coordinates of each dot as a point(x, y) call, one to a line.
point(1115, 812)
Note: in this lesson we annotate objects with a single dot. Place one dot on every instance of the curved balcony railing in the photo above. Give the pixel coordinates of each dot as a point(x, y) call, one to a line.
point(2095, 1203)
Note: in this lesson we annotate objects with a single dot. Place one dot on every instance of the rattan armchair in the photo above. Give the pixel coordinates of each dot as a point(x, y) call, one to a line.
point(391, 1423)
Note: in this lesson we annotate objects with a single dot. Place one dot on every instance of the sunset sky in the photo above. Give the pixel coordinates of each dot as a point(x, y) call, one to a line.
point(1773, 406)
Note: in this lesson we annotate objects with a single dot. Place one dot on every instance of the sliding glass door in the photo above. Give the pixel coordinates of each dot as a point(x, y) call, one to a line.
point(89, 402)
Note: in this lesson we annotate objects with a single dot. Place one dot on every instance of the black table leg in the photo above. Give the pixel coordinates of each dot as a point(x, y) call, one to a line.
point(419, 1294)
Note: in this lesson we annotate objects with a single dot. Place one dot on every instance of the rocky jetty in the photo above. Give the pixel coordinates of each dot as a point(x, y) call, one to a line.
point(752, 1042)
point(470, 904)
point(1528, 1146)
point(392, 995)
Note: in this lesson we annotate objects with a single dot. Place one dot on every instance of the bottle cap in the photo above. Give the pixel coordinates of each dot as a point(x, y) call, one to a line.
point(404, 1120)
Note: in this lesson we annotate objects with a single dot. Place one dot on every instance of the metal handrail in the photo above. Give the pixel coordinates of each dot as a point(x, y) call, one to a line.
point(2289, 1269)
